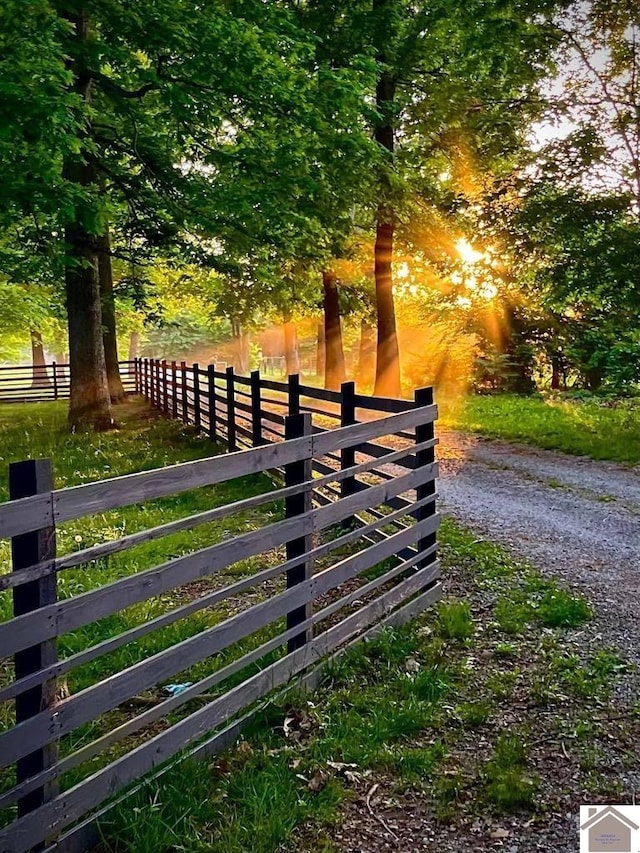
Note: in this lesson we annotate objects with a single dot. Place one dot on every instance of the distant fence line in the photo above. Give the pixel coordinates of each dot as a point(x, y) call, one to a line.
point(355, 550)
point(27, 383)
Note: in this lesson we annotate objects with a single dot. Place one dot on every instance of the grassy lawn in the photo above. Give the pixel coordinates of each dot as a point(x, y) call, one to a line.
point(596, 428)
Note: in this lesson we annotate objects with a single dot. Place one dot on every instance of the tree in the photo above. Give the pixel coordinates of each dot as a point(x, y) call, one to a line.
point(163, 121)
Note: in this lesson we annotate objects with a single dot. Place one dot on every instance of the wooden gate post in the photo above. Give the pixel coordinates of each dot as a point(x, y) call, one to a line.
point(425, 432)
point(174, 391)
point(256, 409)
point(136, 375)
point(31, 478)
point(185, 398)
point(295, 473)
point(55, 381)
point(294, 394)
point(145, 373)
point(197, 414)
point(211, 383)
point(232, 443)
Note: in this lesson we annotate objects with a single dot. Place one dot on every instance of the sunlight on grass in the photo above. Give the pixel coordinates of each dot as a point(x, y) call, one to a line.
point(596, 428)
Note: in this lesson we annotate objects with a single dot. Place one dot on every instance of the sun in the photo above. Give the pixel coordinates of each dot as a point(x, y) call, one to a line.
point(467, 253)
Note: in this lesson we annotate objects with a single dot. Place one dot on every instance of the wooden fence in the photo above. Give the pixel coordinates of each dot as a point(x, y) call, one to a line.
point(349, 545)
point(24, 383)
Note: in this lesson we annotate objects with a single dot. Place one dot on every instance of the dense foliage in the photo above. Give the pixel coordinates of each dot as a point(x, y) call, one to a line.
point(464, 178)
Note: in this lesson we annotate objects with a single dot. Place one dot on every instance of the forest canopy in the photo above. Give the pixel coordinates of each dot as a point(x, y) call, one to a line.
point(399, 192)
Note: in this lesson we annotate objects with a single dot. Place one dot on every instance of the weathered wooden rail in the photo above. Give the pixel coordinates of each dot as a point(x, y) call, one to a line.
point(353, 550)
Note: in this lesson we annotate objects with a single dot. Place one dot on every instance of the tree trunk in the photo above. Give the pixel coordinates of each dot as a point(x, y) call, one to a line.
point(387, 382)
point(134, 345)
point(40, 377)
point(244, 351)
point(240, 347)
point(594, 378)
point(109, 332)
point(367, 354)
point(320, 352)
point(89, 405)
point(334, 372)
point(134, 350)
point(555, 372)
point(291, 351)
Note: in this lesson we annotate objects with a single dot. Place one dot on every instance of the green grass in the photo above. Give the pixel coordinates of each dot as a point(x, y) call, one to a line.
point(596, 428)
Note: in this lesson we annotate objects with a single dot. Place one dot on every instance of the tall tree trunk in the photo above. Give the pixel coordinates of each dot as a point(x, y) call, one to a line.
point(89, 405)
point(387, 382)
point(291, 351)
point(109, 331)
point(244, 351)
point(320, 351)
point(134, 345)
point(367, 354)
point(40, 377)
point(556, 371)
point(334, 373)
point(240, 347)
point(134, 349)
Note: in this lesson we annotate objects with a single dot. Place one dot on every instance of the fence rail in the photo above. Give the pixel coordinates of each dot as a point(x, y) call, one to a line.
point(27, 383)
point(349, 545)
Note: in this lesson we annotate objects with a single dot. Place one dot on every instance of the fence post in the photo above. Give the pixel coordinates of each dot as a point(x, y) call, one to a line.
point(157, 393)
point(425, 432)
point(348, 455)
point(294, 394)
point(55, 381)
point(174, 393)
point(136, 375)
point(211, 386)
point(145, 380)
point(165, 390)
point(256, 410)
point(30, 478)
point(185, 398)
point(197, 414)
point(295, 473)
point(231, 411)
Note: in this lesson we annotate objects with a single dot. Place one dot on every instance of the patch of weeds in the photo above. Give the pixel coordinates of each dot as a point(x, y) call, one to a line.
point(502, 684)
point(507, 785)
point(473, 714)
point(446, 792)
point(413, 764)
point(512, 616)
point(454, 620)
point(429, 684)
point(559, 608)
point(505, 650)
point(592, 680)
point(590, 757)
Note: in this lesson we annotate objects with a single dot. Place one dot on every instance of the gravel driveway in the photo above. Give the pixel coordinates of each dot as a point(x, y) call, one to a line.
point(569, 516)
